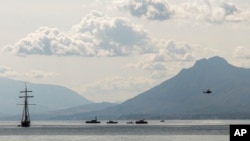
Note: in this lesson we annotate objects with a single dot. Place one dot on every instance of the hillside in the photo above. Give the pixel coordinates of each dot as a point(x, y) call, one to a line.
point(182, 97)
point(46, 97)
point(65, 114)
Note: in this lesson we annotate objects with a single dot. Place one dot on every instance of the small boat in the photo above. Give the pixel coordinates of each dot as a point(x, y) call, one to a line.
point(162, 120)
point(93, 121)
point(130, 122)
point(141, 121)
point(112, 122)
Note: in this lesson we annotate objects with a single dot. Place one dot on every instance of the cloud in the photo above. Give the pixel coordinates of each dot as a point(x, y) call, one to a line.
point(170, 53)
point(225, 12)
point(114, 36)
point(149, 9)
point(241, 52)
point(211, 11)
point(7, 71)
point(44, 41)
point(173, 51)
point(96, 35)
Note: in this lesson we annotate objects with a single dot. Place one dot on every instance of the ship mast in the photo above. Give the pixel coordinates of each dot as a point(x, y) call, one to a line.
point(25, 122)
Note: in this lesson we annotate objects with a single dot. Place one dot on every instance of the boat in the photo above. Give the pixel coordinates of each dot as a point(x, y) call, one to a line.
point(25, 122)
point(112, 122)
point(130, 122)
point(162, 120)
point(93, 121)
point(141, 121)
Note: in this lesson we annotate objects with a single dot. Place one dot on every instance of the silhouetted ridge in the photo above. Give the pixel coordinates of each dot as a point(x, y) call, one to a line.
point(182, 97)
point(211, 62)
point(217, 59)
point(47, 97)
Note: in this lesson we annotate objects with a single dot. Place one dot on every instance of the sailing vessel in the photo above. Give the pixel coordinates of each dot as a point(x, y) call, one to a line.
point(25, 122)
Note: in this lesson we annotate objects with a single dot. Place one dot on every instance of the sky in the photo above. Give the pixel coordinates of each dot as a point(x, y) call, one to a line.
point(113, 50)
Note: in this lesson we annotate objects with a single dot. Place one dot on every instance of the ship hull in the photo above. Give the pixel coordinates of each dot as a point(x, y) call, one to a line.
point(93, 121)
point(141, 122)
point(25, 123)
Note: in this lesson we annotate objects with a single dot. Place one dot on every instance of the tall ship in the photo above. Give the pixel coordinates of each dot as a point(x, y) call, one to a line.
point(25, 122)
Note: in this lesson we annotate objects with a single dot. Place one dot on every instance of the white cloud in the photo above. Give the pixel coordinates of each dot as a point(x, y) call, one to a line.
point(114, 36)
point(101, 35)
point(173, 51)
point(149, 9)
point(170, 53)
point(225, 12)
point(96, 35)
point(157, 63)
point(44, 41)
point(241, 52)
point(212, 11)
point(7, 71)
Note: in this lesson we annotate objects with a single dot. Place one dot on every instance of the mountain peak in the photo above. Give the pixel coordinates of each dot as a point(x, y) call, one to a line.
point(215, 61)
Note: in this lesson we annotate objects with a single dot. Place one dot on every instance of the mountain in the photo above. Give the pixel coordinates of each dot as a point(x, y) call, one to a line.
point(46, 97)
point(182, 97)
point(72, 113)
point(65, 114)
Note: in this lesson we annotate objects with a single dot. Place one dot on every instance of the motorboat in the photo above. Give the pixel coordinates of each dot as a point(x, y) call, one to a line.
point(141, 121)
point(93, 121)
point(130, 122)
point(112, 122)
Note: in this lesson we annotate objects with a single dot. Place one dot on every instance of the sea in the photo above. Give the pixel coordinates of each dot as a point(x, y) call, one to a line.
point(155, 130)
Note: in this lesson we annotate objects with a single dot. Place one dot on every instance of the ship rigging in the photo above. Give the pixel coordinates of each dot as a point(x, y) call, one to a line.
point(25, 122)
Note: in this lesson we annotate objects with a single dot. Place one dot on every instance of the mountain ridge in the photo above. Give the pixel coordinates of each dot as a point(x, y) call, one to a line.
point(181, 96)
point(46, 97)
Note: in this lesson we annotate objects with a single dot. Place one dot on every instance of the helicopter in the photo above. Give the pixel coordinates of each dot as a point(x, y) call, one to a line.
point(207, 91)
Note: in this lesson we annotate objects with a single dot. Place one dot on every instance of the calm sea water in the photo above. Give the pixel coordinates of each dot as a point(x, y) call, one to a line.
point(172, 130)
